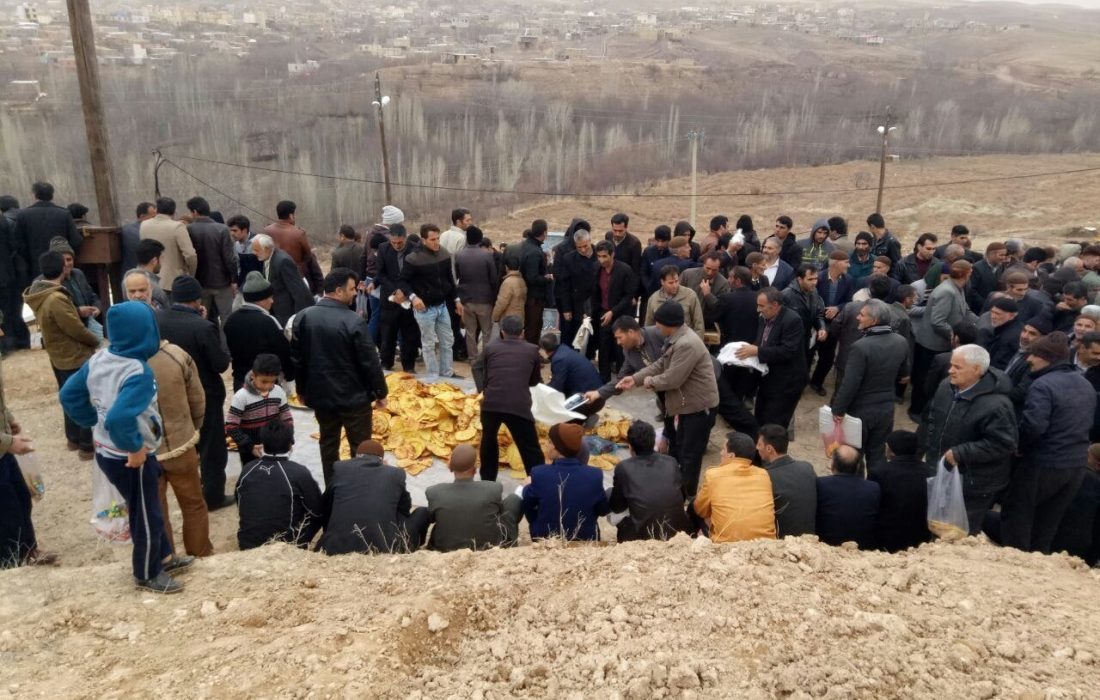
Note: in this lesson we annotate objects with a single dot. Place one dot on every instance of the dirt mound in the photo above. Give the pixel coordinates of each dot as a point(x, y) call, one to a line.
point(763, 619)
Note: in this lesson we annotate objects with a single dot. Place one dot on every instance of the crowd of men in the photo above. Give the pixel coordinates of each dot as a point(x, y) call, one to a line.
point(1000, 354)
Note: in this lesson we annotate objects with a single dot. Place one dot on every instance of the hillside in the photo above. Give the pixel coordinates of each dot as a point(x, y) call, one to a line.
point(1034, 208)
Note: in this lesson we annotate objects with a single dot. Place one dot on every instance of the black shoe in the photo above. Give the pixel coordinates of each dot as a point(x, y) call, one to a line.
point(225, 503)
point(162, 583)
point(913, 417)
point(178, 564)
point(817, 389)
point(455, 376)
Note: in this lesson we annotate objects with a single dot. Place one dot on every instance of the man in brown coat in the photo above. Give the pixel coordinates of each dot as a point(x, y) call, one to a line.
point(67, 340)
point(685, 375)
point(293, 241)
point(179, 256)
point(513, 292)
point(182, 403)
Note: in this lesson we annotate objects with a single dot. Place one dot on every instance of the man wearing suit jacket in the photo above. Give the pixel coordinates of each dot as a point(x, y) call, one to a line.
point(470, 514)
point(835, 288)
point(612, 297)
point(395, 318)
point(291, 293)
point(779, 345)
point(179, 256)
point(37, 224)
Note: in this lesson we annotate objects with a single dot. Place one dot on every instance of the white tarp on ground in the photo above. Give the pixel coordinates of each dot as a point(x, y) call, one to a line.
point(639, 404)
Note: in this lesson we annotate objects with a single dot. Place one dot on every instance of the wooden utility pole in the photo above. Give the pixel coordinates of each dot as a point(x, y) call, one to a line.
point(378, 101)
point(95, 122)
point(694, 137)
point(885, 128)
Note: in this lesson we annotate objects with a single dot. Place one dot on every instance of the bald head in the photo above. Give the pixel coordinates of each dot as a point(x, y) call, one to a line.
point(847, 460)
point(463, 461)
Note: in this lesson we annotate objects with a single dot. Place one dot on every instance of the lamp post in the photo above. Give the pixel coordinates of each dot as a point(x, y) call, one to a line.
point(884, 130)
point(381, 101)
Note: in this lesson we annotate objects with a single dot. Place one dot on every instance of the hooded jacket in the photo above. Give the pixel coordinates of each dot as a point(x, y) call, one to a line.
point(67, 340)
point(1057, 417)
point(115, 392)
point(978, 426)
point(180, 399)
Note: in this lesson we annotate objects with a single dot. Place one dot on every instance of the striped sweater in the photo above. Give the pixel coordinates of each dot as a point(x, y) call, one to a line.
point(249, 412)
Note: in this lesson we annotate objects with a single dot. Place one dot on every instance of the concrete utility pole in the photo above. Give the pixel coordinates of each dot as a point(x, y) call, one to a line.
point(694, 137)
point(885, 128)
point(380, 102)
point(95, 122)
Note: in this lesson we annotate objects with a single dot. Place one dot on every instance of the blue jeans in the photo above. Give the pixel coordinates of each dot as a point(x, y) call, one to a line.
point(140, 488)
point(435, 328)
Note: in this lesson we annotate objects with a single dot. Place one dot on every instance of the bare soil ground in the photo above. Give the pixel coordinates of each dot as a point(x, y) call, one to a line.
point(792, 618)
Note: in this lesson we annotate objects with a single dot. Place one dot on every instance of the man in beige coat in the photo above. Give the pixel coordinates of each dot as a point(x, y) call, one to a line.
point(672, 291)
point(685, 375)
point(179, 256)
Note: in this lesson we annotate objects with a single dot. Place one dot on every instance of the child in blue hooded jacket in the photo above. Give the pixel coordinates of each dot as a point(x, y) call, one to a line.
point(115, 394)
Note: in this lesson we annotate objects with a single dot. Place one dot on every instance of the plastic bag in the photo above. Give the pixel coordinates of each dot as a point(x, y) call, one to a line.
point(584, 335)
point(849, 432)
point(598, 445)
point(28, 465)
point(548, 406)
point(110, 517)
point(946, 507)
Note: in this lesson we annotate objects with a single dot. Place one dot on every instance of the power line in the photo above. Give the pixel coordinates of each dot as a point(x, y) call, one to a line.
point(215, 189)
point(635, 195)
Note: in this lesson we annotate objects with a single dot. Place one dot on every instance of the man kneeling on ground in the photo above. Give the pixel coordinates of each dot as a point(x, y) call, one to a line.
point(278, 499)
point(471, 514)
point(367, 507)
point(650, 487)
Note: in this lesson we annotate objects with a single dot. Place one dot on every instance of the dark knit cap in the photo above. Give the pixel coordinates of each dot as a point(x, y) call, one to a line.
point(1005, 304)
point(567, 438)
point(256, 287)
point(903, 443)
point(1041, 323)
point(1053, 348)
point(186, 289)
point(670, 314)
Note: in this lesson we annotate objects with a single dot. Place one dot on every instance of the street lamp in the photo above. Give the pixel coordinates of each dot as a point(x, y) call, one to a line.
point(381, 101)
point(884, 130)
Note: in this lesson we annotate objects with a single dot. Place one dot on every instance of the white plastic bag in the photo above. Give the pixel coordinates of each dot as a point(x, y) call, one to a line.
point(946, 507)
point(728, 356)
point(548, 406)
point(110, 517)
point(584, 335)
point(28, 464)
point(849, 432)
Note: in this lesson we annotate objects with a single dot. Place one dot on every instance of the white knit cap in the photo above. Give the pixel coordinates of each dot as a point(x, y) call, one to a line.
point(392, 215)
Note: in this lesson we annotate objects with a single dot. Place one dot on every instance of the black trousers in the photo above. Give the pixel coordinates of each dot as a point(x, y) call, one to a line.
point(878, 423)
point(416, 529)
point(17, 538)
point(732, 408)
point(777, 407)
point(524, 435)
point(688, 435)
point(532, 320)
point(357, 423)
point(610, 354)
point(16, 335)
point(922, 362)
point(73, 432)
point(213, 452)
point(826, 358)
point(1036, 501)
point(458, 351)
point(396, 320)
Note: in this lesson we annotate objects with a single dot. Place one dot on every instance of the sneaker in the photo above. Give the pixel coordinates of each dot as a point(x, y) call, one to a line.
point(455, 375)
point(817, 389)
point(163, 583)
point(178, 564)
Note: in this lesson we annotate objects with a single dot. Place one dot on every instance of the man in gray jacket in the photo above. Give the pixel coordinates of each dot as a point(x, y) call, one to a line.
point(877, 362)
point(685, 374)
point(477, 279)
point(932, 333)
point(471, 514)
point(647, 485)
point(794, 484)
point(218, 263)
